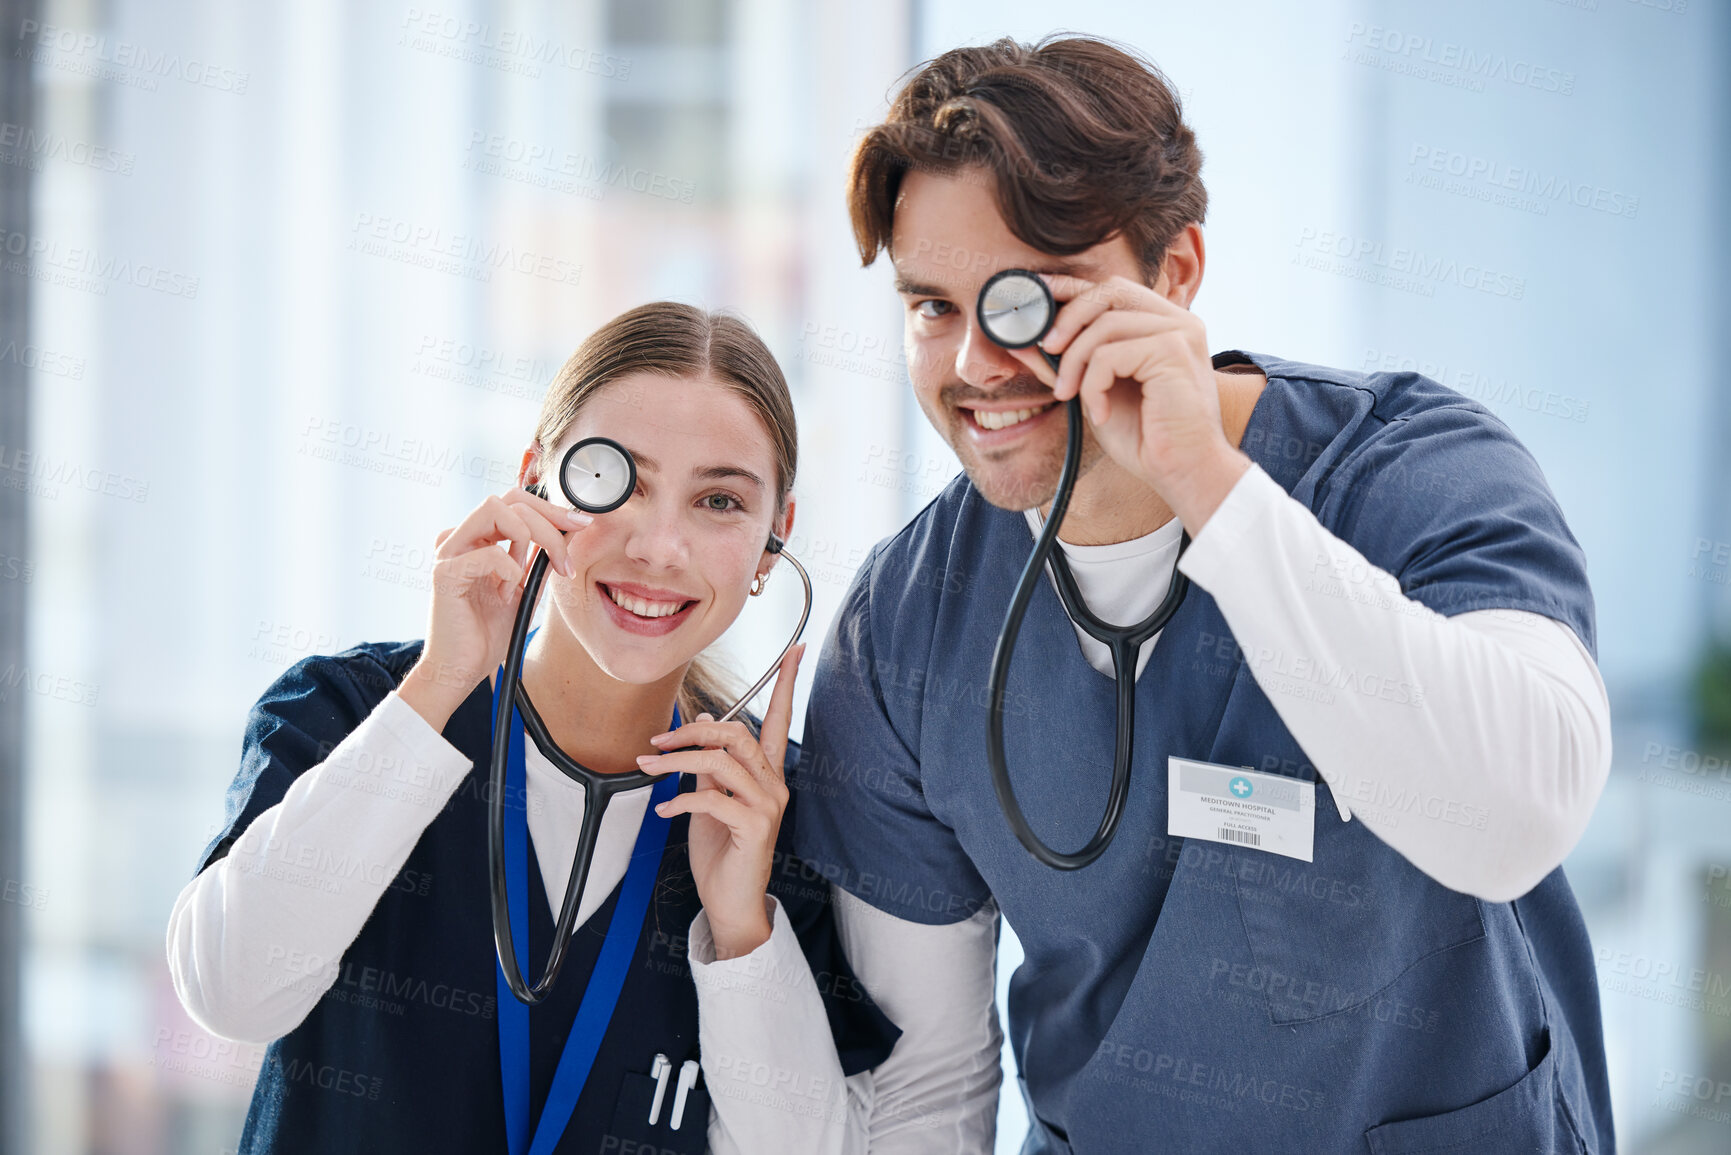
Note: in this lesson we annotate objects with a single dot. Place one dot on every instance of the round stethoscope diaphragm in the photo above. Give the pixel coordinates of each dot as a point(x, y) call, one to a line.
point(598, 475)
point(1016, 308)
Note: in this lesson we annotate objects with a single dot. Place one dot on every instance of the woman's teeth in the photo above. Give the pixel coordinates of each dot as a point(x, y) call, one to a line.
point(1006, 418)
point(644, 609)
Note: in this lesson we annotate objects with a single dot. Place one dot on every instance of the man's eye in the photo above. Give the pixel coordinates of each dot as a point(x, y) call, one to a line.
point(932, 310)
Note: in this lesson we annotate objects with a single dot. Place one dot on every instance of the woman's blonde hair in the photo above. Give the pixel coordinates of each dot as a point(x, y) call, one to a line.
point(672, 340)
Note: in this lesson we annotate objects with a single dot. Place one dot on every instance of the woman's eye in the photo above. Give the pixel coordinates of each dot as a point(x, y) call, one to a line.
point(932, 310)
point(722, 502)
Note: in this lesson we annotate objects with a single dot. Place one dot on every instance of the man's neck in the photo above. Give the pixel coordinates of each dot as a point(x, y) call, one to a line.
point(1110, 505)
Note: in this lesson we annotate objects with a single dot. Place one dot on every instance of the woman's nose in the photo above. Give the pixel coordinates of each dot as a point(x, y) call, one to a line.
point(657, 539)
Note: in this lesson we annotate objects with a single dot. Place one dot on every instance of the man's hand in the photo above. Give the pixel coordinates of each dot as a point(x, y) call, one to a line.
point(1140, 364)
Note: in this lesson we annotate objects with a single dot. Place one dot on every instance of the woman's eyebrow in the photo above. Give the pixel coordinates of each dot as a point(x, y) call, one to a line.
point(648, 464)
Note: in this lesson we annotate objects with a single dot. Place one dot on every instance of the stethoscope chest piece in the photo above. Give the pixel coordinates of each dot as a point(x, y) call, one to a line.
point(598, 475)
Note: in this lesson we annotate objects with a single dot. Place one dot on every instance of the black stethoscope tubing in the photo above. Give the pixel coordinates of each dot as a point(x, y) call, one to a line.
point(1123, 641)
point(599, 789)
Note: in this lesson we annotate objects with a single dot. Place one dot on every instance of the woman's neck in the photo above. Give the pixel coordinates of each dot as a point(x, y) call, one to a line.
point(600, 721)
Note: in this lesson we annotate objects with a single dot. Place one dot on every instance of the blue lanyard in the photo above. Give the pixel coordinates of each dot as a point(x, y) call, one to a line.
point(601, 995)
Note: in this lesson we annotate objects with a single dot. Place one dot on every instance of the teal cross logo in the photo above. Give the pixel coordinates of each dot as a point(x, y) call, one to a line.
point(1241, 787)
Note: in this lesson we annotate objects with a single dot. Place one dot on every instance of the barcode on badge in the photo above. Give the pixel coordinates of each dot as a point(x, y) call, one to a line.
point(1244, 837)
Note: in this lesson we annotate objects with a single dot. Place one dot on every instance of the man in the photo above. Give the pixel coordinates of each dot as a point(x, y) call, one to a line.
point(1389, 625)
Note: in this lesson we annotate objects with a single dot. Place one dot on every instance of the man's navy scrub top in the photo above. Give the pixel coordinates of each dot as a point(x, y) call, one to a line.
point(1185, 995)
point(402, 1053)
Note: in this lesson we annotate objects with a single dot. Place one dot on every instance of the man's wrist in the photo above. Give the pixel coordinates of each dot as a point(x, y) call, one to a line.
point(1195, 494)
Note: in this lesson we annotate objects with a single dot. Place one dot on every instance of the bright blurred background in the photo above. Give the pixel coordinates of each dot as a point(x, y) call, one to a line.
point(282, 287)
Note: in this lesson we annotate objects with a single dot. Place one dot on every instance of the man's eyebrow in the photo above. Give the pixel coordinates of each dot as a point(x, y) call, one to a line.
point(912, 288)
point(648, 464)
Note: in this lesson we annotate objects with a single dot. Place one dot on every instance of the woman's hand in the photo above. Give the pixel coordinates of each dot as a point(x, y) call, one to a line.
point(476, 589)
point(735, 811)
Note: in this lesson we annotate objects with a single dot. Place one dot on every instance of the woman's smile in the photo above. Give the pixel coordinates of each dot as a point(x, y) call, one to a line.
point(647, 611)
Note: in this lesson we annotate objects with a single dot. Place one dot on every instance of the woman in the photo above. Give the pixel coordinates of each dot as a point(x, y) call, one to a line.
point(344, 911)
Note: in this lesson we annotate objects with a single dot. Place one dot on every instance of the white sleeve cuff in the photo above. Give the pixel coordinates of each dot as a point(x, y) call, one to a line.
point(1251, 498)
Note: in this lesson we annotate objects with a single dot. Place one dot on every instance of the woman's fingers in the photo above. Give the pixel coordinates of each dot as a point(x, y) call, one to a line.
point(500, 520)
point(744, 821)
point(772, 738)
point(555, 544)
point(733, 738)
point(456, 575)
point(723, 770)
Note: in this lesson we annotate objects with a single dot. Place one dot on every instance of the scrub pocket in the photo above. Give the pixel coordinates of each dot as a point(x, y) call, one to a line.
point(1331, 934)
point(1530, 1117)
point(631, 1119)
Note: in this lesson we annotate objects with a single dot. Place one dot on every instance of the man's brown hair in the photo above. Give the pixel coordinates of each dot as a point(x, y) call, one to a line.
point(1081, 138)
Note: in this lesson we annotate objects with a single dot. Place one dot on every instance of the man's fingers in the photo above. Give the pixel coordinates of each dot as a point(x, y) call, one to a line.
point(1110, 364)
point(1118, 325)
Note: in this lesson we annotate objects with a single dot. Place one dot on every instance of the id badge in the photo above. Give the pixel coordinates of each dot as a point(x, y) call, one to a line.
point(1241, 807)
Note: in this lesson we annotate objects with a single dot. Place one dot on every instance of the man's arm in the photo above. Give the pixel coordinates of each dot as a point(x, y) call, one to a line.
point(770, 1062)
point(1498, 714)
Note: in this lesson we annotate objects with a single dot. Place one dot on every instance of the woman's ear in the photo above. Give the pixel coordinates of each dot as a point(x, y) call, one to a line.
point(526, 468)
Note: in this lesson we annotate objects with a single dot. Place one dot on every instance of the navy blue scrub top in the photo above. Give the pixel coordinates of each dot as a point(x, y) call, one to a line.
point(1184, 995)
point(402, 1053)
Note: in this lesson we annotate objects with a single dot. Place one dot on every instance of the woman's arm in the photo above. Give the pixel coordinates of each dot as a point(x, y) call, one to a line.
point(770, 1062)
point(255, 940)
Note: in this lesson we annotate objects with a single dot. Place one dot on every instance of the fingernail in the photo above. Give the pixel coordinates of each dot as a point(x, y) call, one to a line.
point(660, 738)
point(648, 760)
point(661, 809)
point(578, 518)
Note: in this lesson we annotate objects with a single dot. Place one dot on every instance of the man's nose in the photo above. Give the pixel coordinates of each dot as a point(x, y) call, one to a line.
point(981, 361)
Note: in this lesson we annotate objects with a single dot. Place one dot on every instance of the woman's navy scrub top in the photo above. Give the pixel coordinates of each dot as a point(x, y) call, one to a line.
point(1183, 995)
point(402, 1053)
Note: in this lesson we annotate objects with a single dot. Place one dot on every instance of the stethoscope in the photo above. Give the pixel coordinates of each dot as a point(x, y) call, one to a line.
point(1016, 310)
point(598, 475)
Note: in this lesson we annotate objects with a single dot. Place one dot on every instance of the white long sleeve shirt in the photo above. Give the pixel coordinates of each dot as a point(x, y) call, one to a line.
point(1514, 723)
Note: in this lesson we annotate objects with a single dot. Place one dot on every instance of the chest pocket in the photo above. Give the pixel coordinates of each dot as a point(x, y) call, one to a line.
point(1331, 935)
point(631, 1130)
